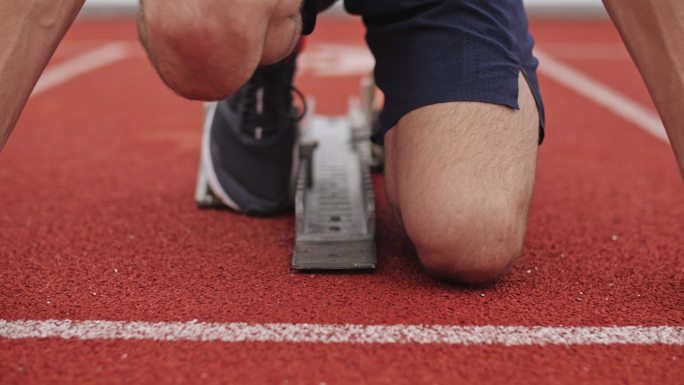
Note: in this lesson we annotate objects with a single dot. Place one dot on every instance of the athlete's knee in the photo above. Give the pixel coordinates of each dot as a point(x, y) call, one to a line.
point(473, 242)
point(198, 54)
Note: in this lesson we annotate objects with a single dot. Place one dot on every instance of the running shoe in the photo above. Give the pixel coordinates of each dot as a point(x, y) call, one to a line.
point(250, 143)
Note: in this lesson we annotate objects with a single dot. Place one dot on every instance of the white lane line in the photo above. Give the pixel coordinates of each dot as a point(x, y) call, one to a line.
point(335, 60)
point(602, 95)
point(89, 61)
point(342, 333)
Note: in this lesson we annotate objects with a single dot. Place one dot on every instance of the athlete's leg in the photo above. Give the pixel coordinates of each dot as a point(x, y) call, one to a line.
point(208, 49)
point(462, 151)
point(461, 176)
point(29, 33)
point(653, 31)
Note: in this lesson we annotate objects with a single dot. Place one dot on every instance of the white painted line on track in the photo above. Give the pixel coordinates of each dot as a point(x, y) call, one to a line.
point(601, 94)
point(63, 72)
point(335, 60)
point(342, 333)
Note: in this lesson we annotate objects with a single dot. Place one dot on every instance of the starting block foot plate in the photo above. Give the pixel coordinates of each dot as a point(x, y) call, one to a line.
point(334, 203)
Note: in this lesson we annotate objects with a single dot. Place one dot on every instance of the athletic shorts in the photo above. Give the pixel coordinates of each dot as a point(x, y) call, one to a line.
point(436, 51)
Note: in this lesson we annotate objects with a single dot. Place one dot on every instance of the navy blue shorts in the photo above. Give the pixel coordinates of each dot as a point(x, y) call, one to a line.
point(436, 51)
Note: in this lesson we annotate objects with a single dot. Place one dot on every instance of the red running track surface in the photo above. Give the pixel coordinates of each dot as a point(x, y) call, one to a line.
point(98, 223)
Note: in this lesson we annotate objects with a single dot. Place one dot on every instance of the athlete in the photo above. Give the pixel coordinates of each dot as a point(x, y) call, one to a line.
point(462, 119)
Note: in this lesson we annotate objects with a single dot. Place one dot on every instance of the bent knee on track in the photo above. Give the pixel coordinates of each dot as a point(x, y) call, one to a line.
point(469, 245)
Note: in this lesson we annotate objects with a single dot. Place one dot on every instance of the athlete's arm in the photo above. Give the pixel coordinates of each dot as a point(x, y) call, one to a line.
point(206, 49)
point(653, 31)
point(29, 33)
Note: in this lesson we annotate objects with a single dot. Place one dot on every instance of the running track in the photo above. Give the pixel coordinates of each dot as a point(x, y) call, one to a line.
point(109, 274)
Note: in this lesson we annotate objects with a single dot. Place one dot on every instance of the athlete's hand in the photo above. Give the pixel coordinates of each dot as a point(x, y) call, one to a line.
point(206, 49)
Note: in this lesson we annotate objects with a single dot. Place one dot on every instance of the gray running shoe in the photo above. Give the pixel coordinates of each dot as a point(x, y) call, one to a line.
point(250, 143)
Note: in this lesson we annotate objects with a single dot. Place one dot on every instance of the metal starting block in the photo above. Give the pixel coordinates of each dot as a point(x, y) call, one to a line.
point(334, 202)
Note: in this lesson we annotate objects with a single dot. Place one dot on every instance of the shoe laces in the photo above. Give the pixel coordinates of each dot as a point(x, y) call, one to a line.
point(268, 104)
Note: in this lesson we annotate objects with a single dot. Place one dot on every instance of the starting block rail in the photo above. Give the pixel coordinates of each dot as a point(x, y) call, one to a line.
point(334, 202)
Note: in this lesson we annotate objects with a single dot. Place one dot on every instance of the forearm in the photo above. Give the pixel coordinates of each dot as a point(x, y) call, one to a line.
point(30, 30)
point(207, 49)
point(653, 31)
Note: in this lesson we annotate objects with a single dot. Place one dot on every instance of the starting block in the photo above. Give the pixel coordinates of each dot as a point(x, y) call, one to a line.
point(334, 199)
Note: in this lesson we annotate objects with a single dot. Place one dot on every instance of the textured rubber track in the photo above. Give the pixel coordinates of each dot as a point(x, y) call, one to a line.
point(150, 363)
point(98, 222)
